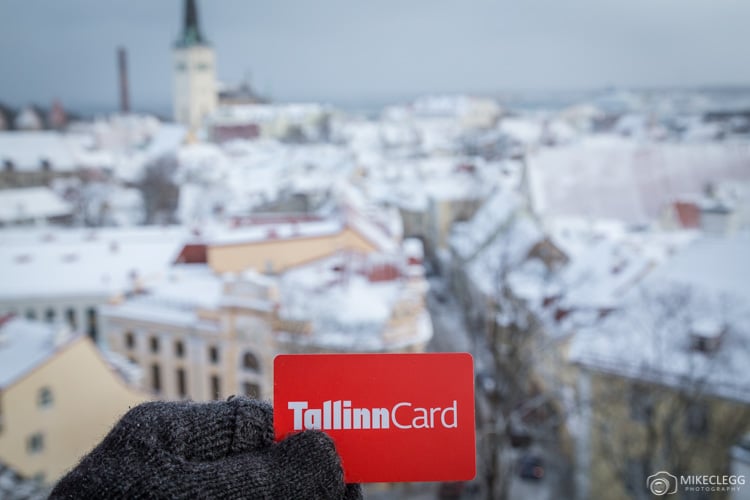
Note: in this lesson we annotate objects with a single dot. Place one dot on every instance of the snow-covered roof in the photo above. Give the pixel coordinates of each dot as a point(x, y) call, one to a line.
point(597, 276)
point(468, 237)
point(345, 308)
point(31, 203)
point(28, 150)
point(523, 129)
point(241, 176)
point(455, 106)
point(175, 300)
point(260, 113)
point(103, 262)
point(613, 177)
point(649, 338)
point(26, 344)
point(156, 140)
point(280, 230)
point(504, 252)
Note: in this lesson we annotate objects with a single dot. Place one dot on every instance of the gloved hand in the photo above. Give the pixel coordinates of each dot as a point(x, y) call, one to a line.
point(207, 450)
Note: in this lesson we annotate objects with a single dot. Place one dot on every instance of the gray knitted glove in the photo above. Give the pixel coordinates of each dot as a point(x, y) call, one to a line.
point(207, 450)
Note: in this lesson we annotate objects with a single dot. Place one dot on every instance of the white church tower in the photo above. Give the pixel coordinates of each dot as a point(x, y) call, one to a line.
point(194, 73)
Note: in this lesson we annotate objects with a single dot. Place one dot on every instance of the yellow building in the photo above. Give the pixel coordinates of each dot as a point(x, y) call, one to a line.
point(638, 428)
point(58, 397)
point(664, 385)
point(274, 248)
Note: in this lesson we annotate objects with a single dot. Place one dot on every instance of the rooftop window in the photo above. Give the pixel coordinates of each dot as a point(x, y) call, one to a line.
point(706, 335)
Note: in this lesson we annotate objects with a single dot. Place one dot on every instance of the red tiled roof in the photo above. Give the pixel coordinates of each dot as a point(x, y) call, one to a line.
point(688, 214)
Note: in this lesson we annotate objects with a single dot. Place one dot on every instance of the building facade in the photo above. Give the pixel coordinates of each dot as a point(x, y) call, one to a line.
point(194, 72)
point(59, 396)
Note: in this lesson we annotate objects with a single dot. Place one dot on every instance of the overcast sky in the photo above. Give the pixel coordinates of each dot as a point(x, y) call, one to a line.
point(345, 50)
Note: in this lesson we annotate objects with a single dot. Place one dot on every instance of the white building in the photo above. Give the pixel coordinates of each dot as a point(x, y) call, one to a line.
point(194, 72)
point(66, 275)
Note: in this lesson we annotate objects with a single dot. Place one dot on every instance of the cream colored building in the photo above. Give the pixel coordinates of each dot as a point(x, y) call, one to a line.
point(194, 71)
point(198, 336)
point(58, 397)
point(275, 248)
point(211, 330)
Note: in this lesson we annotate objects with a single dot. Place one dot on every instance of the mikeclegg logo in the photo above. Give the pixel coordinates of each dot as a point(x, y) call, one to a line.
point(663, 483)
point(340, 415)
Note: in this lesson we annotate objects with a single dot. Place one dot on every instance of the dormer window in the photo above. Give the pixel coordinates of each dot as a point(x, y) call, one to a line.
point(706, 335)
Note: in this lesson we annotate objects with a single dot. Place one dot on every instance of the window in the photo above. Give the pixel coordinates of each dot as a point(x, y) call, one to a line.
point(250, 362)
point(213, 354)
point(251, 390)
point(179, 349)
point(181, 383)
point(46, 164)
point(44, 398)
point(696, 419)
point(70, 317)
point(31, 314)
point(641, 404)
point(9, 166)
point(129, 340)
point(49, 315)
point(155, 378)
point(154, 344)
point(635, 477)
point(35, 443)
point(215, 387)
point(91, 329)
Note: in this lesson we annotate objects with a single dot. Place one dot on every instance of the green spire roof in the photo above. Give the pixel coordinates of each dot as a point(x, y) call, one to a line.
point(191, 33)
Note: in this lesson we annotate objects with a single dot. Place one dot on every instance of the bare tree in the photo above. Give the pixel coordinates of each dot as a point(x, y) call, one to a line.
point(513, 406)
point(668, 413)
point(160, 191)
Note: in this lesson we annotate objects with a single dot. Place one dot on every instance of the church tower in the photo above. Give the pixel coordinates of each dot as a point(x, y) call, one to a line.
point(194, 72)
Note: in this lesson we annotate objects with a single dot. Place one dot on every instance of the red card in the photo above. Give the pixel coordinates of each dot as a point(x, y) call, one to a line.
point(393, 417)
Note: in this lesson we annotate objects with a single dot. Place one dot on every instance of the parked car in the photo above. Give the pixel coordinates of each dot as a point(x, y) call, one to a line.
point(531, 467)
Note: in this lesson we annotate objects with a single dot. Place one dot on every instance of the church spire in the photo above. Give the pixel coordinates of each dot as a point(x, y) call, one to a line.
point(191, 33)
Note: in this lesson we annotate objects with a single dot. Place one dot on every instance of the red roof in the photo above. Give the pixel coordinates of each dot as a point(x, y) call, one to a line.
point(193, 253)
point(688, 214)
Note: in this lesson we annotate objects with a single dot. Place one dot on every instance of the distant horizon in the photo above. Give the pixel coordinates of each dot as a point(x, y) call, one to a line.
point(375, 101)
point(372, 53)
